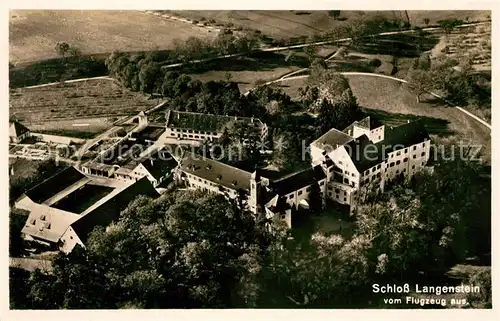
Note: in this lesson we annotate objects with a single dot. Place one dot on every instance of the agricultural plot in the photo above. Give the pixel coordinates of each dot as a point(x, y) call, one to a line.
point(474, 41)
point(91, 32)
point(290, 24)
point(85, 107)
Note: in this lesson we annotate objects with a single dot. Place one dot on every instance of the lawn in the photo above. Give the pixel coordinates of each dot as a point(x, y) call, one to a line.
point(23, 168)
point(33, 34)
point(80, 107)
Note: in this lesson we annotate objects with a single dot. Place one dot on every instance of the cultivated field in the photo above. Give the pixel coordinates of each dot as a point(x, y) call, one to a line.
point(34, 34)
point(89, 106)
point(466, 42)
point(286, 24)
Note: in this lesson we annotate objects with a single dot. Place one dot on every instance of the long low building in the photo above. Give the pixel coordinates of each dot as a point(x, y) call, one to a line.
point(200, 127)
point(65, 208)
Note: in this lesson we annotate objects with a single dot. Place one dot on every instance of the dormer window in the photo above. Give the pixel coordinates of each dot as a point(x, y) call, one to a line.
point(43, 217)
point(47, 226)
point(33, 221)
point(235, 183)
point(219, 177)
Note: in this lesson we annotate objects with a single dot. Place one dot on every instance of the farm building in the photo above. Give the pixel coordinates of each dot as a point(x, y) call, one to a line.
point(66, 207)
point(18, 132)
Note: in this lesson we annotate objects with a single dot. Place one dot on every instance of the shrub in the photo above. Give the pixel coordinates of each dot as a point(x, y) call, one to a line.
point(195, 22)
point(375, 62)
point(259, 82)
point(203, 19)
point(211, 21)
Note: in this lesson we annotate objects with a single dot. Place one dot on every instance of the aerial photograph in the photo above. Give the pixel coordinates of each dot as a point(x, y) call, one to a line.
point(230, 159)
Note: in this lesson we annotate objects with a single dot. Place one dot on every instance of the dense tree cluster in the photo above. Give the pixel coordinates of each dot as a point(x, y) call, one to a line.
point(455, 80)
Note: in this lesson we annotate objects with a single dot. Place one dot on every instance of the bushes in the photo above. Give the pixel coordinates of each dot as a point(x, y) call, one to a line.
point(375, 62)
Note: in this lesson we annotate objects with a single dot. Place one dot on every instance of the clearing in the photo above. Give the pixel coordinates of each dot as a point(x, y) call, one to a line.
point(289, 24)
point(33, 34)
point(84, 107)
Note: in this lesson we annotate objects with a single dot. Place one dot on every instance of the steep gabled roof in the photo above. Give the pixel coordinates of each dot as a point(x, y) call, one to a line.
point(16, 129)
point(110, 210)
point(159, 165)
point(407, 134)
point(365, 154)
point(48, 223)
point(298, 180)
point(369, 123)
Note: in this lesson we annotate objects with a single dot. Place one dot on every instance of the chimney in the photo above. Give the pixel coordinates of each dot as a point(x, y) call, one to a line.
point(151, 160)
point(251, 120)
point(178, 116)
point(408, 121)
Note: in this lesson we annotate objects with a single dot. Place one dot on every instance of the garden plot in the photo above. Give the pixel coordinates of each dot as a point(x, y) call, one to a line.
point(473, 41)
point(83, 107)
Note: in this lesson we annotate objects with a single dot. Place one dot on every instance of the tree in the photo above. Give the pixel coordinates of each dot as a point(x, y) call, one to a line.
point(423, 62)
point(311, 52)
point(182, 250)
point(17, 219)
point(426, 21)
point(334, 13)
point(420, 81)
point(62, 48)
point(449, 24)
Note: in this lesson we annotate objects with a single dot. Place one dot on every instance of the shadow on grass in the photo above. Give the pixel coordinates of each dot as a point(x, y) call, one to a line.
point(261, 61)
point(359, 66)
point(437, 126)
point(401, 45)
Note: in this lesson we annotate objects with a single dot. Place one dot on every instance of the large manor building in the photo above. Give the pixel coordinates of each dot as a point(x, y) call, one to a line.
point(344, 165)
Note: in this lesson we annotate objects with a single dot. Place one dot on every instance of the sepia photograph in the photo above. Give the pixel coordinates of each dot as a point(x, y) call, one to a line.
point(249, 159)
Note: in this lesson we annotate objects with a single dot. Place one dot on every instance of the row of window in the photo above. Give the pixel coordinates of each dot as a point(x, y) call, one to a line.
point(190, 136)
point(194, 131)
point(308, 189)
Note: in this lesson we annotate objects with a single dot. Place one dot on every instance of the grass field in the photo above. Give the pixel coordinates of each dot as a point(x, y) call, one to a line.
point(34, 34)
point(90, 106)
point(394, 103)
point(287, 24)
point(464, 42)
point(23, 168)
point(264, 66)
